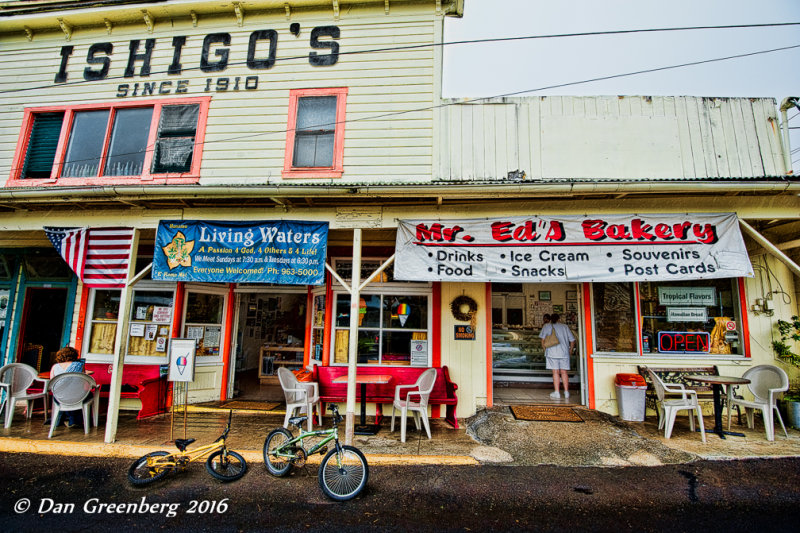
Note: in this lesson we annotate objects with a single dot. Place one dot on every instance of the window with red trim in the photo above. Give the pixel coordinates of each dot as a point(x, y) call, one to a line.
point(315, 133)
point(116, 142)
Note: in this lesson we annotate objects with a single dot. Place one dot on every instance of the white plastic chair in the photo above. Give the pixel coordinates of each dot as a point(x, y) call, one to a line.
point(18, 378)
point(418, 408)
point(73, 391)
point(299, 395)
point(687, 400)
point(766, 382)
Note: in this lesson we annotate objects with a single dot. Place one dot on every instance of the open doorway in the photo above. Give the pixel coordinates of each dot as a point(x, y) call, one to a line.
point(42, 326)
point(270, 333)
point(519, 373)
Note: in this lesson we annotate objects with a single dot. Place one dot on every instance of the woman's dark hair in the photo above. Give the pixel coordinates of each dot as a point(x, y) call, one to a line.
point(66, 354)
point(554, 317)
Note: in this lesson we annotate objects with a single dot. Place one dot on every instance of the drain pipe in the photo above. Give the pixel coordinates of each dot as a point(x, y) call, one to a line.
point(787, 103)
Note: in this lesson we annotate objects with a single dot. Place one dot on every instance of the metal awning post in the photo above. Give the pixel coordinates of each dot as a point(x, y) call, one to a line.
point(352, 351)
point(771, 248)
point(115, 387)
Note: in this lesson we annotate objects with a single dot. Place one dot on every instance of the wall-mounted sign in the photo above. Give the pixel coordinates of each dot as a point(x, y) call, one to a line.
point(686, 314)
point(603, 248)
point(464, 332)
point(683, 342)
point(705, 296)
point(279, 251)
point(181, 359)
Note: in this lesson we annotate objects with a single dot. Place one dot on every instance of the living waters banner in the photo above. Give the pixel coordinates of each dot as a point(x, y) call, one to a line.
point(287, 252)
point(573, 248)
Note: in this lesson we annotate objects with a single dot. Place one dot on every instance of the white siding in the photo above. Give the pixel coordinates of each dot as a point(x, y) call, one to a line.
point(609, 137)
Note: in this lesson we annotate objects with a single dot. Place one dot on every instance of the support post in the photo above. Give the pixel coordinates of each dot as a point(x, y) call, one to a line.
point(115, 387)
point(352, 352)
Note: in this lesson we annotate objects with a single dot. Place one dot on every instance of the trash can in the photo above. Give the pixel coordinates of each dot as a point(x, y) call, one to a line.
point(631, 389)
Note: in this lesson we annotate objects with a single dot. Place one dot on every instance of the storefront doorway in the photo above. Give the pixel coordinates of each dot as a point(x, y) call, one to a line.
point(270, 333)
point(42, 326)
point(519, 375)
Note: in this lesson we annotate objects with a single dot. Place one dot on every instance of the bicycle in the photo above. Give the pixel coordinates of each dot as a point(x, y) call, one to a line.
point(223, 464)
point(343, 472)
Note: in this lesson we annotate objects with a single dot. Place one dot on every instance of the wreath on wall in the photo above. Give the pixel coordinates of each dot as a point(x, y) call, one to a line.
point(463, 308)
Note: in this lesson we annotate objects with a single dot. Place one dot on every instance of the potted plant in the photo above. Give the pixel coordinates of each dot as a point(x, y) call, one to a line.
point(790, 331)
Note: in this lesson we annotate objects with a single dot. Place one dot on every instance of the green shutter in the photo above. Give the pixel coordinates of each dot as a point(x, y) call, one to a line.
point(42, 145)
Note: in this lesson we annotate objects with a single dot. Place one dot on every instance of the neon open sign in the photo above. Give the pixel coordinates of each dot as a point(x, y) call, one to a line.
point(683, 341)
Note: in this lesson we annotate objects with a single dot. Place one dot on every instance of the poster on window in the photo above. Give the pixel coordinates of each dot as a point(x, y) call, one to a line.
point(181, 360)
point(601, 248)
point(277, 251)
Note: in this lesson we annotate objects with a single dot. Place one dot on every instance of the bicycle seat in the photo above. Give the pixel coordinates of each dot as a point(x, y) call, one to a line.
point(298, 421)
point(183, 443)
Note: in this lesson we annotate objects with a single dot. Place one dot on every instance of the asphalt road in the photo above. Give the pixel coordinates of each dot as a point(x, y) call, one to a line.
point(52, 493)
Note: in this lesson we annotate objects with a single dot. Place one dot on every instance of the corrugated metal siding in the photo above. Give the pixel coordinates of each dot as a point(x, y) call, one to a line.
point(609, 138)
point(246, 132)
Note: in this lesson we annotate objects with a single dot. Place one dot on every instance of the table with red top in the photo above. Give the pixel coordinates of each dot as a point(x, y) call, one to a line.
point(716, 383)
point(365, 379)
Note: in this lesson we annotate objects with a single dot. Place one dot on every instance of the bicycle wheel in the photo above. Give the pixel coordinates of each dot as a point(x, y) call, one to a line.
point(228, 466)
point(343, 483)
point(141, 474)
point(277, 466)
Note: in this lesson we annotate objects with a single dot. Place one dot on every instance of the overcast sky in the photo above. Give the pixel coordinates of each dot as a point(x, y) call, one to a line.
point(486, 69)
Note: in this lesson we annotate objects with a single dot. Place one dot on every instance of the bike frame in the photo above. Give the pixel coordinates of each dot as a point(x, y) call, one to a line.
point(329, 434)
point(183, 457)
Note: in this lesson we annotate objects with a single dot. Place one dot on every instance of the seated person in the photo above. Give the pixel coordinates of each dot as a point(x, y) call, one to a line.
point(67, 361)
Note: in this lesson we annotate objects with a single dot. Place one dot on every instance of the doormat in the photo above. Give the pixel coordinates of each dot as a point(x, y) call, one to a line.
point(545, 413)
point(255, 406)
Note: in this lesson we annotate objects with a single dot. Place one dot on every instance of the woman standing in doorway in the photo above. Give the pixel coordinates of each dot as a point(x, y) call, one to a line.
point(557, 357)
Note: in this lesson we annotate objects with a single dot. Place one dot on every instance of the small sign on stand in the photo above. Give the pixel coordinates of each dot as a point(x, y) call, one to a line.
point(181, 370)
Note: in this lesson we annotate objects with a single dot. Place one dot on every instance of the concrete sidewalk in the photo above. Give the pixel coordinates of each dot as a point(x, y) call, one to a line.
point(492, 436)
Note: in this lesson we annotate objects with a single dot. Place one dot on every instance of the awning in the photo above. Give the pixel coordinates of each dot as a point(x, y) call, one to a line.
point(572, 248)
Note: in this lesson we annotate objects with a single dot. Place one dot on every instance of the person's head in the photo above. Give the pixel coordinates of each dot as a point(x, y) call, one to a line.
point(546, 319)
point(66, 354)
point(554, 317)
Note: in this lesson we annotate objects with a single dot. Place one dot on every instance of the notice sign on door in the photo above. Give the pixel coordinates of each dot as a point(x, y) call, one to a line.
point(419, 353)
point(464, 333)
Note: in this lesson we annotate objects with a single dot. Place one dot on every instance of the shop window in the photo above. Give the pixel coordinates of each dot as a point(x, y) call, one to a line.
point(315, 133)
point(387, 325)
point(614, 317)
point(46, 267)
point(318, 327)
point(102, 324)
point(112, 142)
point(344, 268)
point(150, 320)
point(686, 317)
point(203, 322)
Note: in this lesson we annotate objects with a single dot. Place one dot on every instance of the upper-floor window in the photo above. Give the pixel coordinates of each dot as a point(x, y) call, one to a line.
point(315, 133)
point(120, 142)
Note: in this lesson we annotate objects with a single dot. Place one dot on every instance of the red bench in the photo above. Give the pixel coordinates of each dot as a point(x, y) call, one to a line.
point(444, 390)
point(142, 382)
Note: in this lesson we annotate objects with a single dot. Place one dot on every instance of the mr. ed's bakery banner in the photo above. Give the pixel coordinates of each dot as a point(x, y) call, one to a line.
point(278, 251)
point(572, 248)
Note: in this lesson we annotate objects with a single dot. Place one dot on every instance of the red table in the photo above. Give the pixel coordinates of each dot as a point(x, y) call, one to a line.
point(365, 379)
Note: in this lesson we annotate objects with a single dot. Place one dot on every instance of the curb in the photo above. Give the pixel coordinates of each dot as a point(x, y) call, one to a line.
point(14, 445)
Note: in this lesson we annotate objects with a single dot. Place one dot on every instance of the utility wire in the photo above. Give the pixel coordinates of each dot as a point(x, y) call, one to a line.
point(504, 95)
point(449, 43)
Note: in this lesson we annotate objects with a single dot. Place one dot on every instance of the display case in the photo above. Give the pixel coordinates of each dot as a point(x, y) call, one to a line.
point(273, 357)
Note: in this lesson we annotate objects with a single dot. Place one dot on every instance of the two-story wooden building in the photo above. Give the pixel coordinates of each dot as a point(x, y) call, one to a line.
point(320, 122)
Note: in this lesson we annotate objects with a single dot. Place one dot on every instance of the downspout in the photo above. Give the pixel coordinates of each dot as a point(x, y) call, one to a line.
point(786, 104)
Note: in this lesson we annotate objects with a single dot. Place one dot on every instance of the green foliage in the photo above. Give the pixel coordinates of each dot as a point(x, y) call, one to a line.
point(788, 331)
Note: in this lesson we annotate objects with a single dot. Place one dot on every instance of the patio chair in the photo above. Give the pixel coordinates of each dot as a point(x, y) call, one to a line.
point(18, 378)
point(670, 406)
point(299, 395)
point(418, 408)
point(74, 391)
point(766, 382)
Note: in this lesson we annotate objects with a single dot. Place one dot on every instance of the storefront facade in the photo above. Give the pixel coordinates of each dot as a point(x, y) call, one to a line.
point(289, 114)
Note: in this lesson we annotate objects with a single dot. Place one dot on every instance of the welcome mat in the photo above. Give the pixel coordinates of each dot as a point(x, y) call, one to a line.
point(246, 404)
point(545, 413)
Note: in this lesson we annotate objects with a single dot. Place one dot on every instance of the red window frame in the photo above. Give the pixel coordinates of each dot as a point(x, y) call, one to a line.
point(337, 168)
point(16, 179)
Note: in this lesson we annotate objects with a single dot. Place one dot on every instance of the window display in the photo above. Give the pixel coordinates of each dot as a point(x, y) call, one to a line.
point(203, 322)
point(150, 322)
point(614, 317)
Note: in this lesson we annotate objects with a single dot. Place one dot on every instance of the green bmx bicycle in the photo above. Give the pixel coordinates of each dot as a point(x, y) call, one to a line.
point(343, 472)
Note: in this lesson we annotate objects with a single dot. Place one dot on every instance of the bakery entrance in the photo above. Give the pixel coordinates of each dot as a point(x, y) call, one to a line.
point(519, 373)
point(270, 333)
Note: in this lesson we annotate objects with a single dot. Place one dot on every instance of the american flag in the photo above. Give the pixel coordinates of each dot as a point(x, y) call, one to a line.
point(99, 256)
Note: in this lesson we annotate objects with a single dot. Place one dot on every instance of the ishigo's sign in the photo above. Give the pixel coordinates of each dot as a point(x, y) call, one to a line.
point(573, 248)
point(283, 251)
